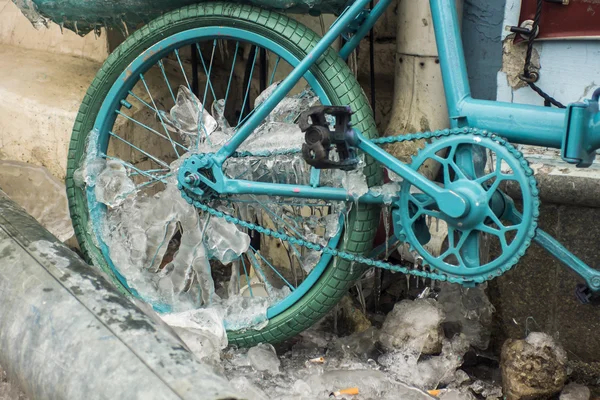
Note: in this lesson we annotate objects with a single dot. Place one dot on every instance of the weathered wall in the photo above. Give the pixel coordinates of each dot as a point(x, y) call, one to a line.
point(539, 292)
point(44, 76)
point(16, 30)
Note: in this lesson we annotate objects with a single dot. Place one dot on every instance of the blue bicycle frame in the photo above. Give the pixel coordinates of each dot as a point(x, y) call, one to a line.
point(575, 130)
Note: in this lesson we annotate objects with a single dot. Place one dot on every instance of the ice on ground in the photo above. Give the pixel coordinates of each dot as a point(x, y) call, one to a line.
point(201, 330)
point(486, 389)
point(428, 372)
point(455, 394)
point(263, 357)
point(468, 311)
point(40, 194)
point(414, 326)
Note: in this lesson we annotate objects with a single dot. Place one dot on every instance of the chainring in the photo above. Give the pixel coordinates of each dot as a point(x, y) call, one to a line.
point(462, 161)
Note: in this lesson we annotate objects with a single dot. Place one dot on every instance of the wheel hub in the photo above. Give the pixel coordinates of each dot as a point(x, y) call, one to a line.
point(196, 176)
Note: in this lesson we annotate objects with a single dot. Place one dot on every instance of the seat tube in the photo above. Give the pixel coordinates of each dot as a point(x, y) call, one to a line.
point(452, 56)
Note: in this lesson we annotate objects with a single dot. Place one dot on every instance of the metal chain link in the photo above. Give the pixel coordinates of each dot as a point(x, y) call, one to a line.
point(352, 257)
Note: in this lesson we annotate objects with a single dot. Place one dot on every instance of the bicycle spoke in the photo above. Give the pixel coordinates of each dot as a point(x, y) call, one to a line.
point(237, 46)
point(150, 129)
point(156, 160)
point(164, 74)
point(274, 70)
point(208, 72)
point(292, 288)
point(248, 87)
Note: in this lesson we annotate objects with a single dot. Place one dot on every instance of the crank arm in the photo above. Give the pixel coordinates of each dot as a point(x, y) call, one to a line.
point(553, 246)
point(449, 202)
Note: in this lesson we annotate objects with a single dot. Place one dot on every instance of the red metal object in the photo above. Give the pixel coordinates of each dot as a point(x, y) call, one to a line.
point(578, 19)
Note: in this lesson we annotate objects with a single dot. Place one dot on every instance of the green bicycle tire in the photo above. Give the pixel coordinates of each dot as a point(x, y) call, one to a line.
point(340, 86)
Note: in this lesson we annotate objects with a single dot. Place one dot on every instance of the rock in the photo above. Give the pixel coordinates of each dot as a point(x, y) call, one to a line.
point(534, 368)
point(416, 324)
point(352, 316)
point(575, 391)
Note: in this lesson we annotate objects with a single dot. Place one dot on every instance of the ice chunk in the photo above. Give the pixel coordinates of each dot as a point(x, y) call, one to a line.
point(393, 176)
point(113, 185)
point(273, 136)
point(574, 391)
point(186, 119)
point(218, 113)
point(250, 391)
point(388, 191)
point(289, 109)
point(224, 241)
point(468, 311)
point(429, 372)
point(246, 312)
point(541, 341)
point(42, 195)
point(263, 357)
point(201, 330)
point(415, 325)
point(88, 172)
point(355, 183)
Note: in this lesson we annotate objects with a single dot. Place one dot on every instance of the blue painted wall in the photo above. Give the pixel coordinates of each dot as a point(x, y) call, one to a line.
point(482, 30)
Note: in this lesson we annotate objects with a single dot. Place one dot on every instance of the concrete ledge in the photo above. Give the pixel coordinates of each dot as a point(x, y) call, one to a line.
point(40, 94)
point(559, 182)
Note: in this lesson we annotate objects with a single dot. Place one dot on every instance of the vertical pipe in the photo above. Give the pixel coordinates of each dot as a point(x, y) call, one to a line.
point(419, 103)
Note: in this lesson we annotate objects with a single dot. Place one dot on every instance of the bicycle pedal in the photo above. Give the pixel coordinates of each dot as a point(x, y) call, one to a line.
point(320, 138)
point(585, 295)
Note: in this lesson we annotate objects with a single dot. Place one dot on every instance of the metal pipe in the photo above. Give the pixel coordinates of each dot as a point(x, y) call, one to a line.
point(67, 333)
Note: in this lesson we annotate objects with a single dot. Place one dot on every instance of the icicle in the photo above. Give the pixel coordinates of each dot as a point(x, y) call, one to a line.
point(386, 223)
point(125, 29)
point(62, 26)
point(75, 26)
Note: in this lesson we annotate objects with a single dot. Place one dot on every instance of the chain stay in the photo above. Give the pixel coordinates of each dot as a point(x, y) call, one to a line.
point(352, 257)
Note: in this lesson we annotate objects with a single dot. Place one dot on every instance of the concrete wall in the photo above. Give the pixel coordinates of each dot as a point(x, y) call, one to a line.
point(539, 292)
point(44, 76)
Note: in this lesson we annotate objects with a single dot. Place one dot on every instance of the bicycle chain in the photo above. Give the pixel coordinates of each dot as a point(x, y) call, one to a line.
point(352, 257)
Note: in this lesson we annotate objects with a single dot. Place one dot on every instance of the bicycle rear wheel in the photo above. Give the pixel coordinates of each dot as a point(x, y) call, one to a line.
point(127, 141)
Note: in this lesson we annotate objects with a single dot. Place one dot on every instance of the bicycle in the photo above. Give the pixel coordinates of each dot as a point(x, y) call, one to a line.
point(275, 208)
